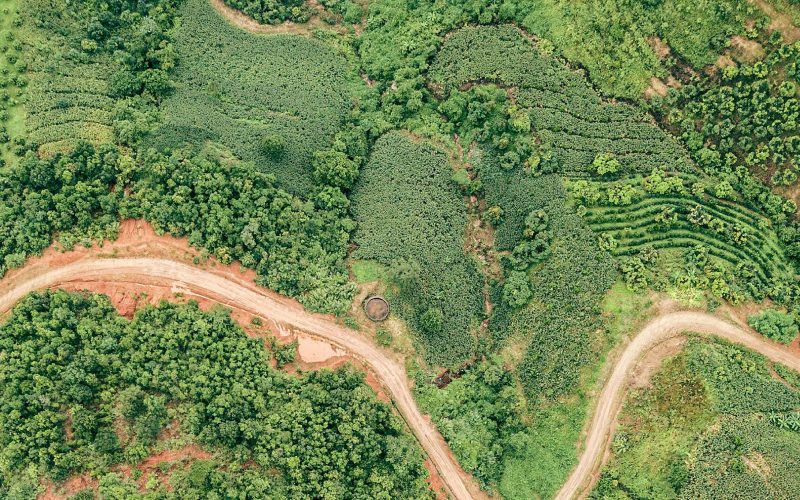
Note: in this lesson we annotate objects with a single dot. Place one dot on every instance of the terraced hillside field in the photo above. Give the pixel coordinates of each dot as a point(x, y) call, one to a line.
point(638, 225)
point(566, 113)
point(68, 97)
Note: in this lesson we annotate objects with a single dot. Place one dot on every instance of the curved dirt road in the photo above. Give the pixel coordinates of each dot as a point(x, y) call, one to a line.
point(664, 327)
point(247, 296)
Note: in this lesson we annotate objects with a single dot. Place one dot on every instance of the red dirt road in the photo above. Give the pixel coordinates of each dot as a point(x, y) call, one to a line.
point(245, 295)
point(667, 326)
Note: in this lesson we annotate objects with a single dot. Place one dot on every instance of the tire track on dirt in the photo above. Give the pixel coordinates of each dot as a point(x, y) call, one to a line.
point(667, 326)
point(247, 296)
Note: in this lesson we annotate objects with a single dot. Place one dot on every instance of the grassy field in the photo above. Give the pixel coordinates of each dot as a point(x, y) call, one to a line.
point(411, 218)
point(710, 425)
point(235, 88)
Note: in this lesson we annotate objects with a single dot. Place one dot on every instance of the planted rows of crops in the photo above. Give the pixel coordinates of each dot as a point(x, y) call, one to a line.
point(571, 120)
point(12, 80)
point(566, 288)
point(65, 108)
point(412, 218)
point(235, 89)
point(637, 225)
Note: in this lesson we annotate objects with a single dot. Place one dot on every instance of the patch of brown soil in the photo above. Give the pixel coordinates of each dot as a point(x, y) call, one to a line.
point(68, 488)
point(659, 46)
point(723, 62)
point(779, 21)
point(435, 482)
point(756, 462)
point(247, 23)
point(746, 50)
point(192, 452)
point(151, 466)
point(777, 377)
point(657, 87)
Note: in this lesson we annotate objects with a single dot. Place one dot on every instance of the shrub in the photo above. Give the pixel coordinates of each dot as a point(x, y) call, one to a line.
point(773, 324)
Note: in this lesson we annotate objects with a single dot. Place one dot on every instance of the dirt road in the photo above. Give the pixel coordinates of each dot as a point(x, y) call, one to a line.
point(245, 295)
point(664, 327)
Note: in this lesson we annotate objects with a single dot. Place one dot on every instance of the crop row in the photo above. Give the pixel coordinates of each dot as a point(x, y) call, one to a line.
point(629, 242)
point(570, 118)
point(720, 208)
point(630, 224)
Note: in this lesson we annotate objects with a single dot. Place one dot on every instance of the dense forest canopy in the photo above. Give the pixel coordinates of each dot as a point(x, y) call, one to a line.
point(85, 389)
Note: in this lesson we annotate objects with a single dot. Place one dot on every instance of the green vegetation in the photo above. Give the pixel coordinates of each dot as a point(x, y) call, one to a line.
point(775, 325)
point(411, 219)
point(94, 74)
point(468, 156)
point(11, 80)
point(572, 122)
point(744, 118)
point(273, 12)
point(740, 128)
point(566, 288)
point(478, 415)
point(616, 42)
point(116, 383)
point(290, 88)
point(646, 218)
point(612, 39)
point(234, 211)
point(515, 425)
point(713, 424)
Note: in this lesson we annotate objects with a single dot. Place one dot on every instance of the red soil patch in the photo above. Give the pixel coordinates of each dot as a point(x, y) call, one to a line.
point(68, 488)
point(151, 466)
point(435, 482)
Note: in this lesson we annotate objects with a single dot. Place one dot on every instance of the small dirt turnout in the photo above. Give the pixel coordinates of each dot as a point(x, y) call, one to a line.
point(663, 328)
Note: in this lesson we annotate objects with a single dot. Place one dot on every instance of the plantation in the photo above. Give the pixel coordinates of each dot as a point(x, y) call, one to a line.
point(744, 118)
point(291, 90)
point(654, 219)
point(11, 80)
point(572, 122)
point(412, 218)
point(714, 423)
